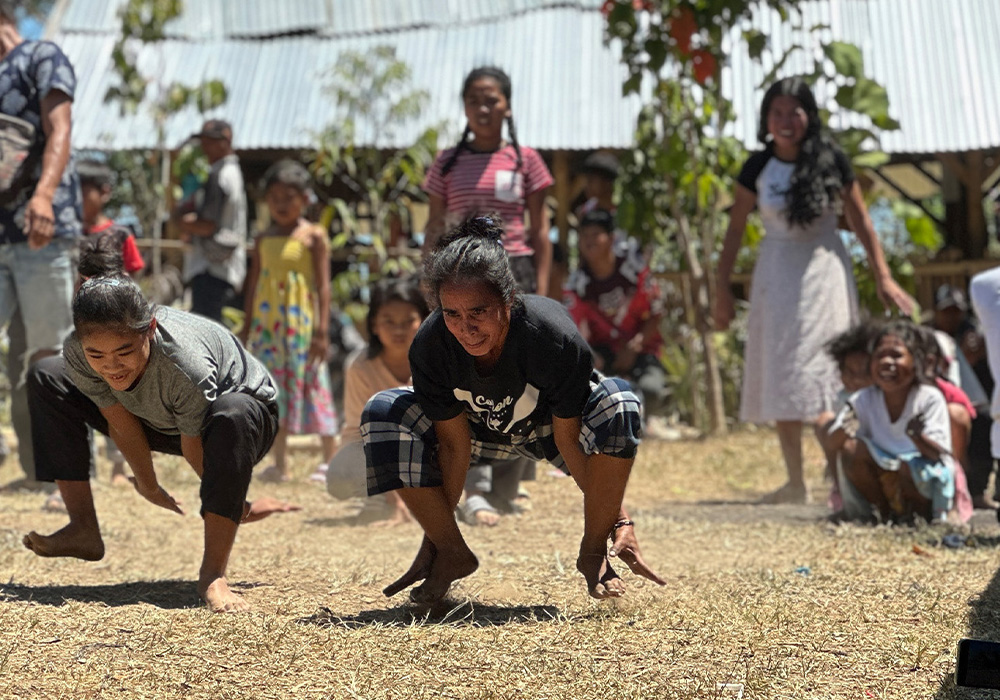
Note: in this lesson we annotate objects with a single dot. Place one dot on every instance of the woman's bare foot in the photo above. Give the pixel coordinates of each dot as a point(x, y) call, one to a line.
point(447, 568)
point(487, 518)
point(789, 493)
point(602, 580)
point(263, 507)
point(418, 570)
point(72, 541)
point(219, 598)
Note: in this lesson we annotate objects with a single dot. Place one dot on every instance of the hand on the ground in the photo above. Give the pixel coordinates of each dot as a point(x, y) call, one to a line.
point(263, 507)
point(156, 495)
point(39, 222)
point(725, 308)
point(626, 548)
point(892, 295)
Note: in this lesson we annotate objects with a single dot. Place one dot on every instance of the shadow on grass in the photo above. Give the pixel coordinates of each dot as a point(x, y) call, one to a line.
point(733, 511)
point(984, 623)
point(465, 614)
point(170, 595)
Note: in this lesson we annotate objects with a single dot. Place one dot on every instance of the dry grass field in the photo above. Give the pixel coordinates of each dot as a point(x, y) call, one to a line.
point(770, 600)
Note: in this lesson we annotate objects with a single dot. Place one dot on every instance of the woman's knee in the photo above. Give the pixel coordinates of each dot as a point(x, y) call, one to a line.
point(612, 420)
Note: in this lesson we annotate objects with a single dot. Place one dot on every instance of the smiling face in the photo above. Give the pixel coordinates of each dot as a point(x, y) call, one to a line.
point(486, 107)
point(395, 324)
point(120, 358)
point(892, 365)
point(477, 317)
point(787, 122)
point(596, 245)
point(285, 204)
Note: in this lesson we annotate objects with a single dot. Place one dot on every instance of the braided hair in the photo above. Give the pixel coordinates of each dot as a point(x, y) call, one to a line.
point(503, 82)
point(472, 251)
point(817, 180)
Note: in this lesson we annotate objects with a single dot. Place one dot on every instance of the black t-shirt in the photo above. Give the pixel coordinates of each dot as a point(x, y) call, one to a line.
point(543, 370)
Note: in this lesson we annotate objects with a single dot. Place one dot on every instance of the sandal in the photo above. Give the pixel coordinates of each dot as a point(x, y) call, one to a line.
point(319, 476)
point(469, 512)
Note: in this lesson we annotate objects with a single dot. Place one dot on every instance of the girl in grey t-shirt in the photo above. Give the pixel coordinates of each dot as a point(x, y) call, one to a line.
point(153, 379)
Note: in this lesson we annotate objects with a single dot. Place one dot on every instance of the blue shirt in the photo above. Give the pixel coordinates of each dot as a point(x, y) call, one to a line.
point(27, 74)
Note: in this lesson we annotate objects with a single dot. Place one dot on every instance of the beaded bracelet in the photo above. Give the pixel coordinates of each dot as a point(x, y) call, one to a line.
point(622, 523)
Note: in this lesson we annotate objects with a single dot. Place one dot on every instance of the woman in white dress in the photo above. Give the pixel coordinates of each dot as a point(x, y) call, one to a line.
point(803, 291)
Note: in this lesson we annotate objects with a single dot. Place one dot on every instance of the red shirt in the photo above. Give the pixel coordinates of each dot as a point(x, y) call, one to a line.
point(479, 183)
point(954, 394)
point(131, 257)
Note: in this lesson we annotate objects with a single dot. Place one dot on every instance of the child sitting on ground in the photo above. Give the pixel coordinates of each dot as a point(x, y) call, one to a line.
point(395, 313)
point(900, 457)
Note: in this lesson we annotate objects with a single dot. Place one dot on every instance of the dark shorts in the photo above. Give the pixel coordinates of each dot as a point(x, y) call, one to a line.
point(400, 444)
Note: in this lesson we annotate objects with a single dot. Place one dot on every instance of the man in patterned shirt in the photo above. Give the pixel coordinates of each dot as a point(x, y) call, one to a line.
point(39, 213)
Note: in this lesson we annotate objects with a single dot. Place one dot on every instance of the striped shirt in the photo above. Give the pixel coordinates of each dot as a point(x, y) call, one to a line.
point(479, 183)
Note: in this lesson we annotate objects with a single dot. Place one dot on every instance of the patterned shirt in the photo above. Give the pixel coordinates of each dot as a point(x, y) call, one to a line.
point(27, 74)
point(479, 183)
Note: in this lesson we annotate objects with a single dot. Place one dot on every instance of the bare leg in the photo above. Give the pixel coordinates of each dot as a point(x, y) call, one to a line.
point(790, 438)
point(452, 559)
point(400, 513)
point(603, 485)
point(220, 533)
point(81, 538)
point(118, 475)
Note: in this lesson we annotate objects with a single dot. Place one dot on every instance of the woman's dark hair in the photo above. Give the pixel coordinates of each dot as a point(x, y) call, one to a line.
point(855, 339)
point(109, 299)
point(817, 180)
point(287, 172)
point(503, 82)
point(598, 217)
point(404, 289)
point(472, 251)
point(910, 335)
point(101, 254)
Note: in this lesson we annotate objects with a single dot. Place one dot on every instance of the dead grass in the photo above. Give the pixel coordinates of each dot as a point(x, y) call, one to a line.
point(767, 597)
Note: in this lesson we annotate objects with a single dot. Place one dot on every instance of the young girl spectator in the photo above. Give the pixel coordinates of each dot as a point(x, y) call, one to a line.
point(616, 304)
point(287, 314)
point(395, 313)
point(497, 374)
point(901, 459)
point(153, 379)
point(803, 291)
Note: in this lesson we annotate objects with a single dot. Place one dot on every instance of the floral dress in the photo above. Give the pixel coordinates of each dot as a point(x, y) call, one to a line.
point(281, 332)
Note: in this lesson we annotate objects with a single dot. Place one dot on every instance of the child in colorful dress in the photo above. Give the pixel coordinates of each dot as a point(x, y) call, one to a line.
point(287, 311)
point(900, 457)
point(395, 313)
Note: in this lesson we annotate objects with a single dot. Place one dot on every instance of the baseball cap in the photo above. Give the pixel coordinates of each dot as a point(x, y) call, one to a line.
point(947, 297)
point(215, 129)
point(602, 163)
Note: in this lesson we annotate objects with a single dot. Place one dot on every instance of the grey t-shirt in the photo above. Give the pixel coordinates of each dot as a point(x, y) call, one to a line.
point(223, 254)
point(192, 361)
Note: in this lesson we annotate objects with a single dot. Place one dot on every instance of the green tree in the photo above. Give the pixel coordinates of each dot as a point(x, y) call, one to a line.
point(371, 187)
point(145, 176)
point(681, 172)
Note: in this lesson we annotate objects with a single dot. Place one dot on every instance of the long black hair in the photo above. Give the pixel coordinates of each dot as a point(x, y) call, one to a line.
point(472, 251)
point(503, 82)
point(404, 289)
point(817, 180)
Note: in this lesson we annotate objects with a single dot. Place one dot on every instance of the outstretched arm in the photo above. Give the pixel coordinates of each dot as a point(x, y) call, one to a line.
point(126, 430)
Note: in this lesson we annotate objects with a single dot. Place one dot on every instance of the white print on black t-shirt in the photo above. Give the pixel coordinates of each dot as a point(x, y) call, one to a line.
point(494, 414)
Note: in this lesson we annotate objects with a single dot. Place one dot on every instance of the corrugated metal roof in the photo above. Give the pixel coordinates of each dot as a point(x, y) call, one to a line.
point(938, 60)
point(566, 93)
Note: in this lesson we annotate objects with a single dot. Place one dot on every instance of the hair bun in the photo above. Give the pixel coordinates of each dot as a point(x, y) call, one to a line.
point(487, 227)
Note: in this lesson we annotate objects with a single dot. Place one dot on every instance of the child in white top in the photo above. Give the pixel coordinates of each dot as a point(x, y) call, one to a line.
point(901, 454)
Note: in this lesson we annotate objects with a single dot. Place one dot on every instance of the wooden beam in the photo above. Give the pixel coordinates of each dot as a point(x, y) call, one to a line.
point(926, 173)
point(889, 181)
point(563, 193)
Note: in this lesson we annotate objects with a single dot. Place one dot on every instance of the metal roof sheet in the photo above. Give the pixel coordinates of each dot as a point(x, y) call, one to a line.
point(938, 61)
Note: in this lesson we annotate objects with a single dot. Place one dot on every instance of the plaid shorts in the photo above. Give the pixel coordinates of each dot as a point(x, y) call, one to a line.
point(400, 444)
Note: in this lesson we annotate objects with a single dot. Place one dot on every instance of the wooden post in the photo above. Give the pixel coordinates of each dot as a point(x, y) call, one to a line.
point(564, 196)
point(969, 168)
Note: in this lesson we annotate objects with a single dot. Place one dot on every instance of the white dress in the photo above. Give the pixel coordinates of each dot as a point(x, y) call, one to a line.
point(802, 296)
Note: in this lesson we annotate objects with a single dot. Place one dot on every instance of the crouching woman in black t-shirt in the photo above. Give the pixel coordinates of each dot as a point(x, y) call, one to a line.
point(497, 375)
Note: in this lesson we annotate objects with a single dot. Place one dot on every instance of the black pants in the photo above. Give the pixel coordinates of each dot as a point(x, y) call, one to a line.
point(208, 295)
point(237, 433)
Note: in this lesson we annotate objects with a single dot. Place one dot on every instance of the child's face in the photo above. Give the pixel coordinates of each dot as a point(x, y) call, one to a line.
point(285, 204)
point(597, 186)
point(94, 199)
point(892, 365)
point(120, 358)
point(595, 244)
point(787, 121)
point(396, 323)
point(854, 372)
point(485, 108)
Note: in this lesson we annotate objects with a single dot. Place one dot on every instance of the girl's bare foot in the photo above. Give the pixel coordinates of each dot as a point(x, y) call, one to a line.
point(418, 570)
point(73, 540)
point(263, 507)
point(447, 568)
point(219, 598)
point(602, 580)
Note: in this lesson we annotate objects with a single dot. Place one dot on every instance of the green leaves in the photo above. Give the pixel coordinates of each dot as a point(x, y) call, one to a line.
point(846, 58)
